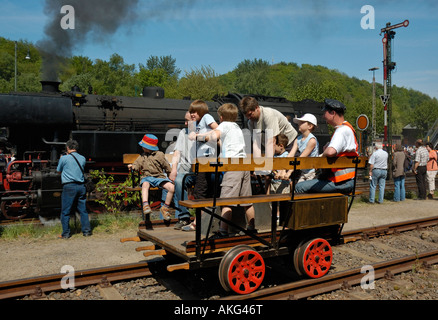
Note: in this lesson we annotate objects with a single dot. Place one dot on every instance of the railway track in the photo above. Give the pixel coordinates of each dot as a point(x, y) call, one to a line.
point(37, 287)
point(339, 280)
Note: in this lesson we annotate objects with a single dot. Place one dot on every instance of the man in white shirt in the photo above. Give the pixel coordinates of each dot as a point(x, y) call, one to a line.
point(343, 143)
point(378, 171)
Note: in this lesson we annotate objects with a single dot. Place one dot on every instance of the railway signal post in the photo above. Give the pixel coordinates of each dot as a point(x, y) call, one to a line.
point(388, 66)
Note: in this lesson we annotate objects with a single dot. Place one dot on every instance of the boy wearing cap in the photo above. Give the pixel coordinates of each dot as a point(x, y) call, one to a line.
point(343, 143)
point(151, 164)
point(306, 145)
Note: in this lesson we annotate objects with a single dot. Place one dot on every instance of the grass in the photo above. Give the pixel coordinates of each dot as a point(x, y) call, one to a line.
point(103, 224)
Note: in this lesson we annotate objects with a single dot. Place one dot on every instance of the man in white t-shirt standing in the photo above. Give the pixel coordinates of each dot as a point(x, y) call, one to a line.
point(378, 171)
point(342, 143)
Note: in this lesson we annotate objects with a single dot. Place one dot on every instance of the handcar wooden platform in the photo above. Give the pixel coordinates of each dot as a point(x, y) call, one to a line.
point(311, 223)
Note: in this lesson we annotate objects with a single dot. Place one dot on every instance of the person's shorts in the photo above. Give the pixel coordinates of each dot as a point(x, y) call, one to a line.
point(155, 182)
point(236, 184)
point(280, 186)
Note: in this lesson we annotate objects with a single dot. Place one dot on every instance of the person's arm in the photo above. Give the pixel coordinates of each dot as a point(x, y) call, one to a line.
point(285, 175)
point(329, 152)
point(175, 160)
point(269, 148)
point(416, 162)
point(371, 170)
point(309, 148)
point(414, 168)
point(211, 135)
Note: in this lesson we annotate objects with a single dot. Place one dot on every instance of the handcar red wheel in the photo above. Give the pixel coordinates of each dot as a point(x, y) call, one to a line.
point(314, 258)
point(242, 270)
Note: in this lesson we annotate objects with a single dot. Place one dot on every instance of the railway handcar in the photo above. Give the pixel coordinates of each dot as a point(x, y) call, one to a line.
point(307, 227)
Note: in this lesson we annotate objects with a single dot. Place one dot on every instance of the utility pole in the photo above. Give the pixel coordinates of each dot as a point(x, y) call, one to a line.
point(388, 66)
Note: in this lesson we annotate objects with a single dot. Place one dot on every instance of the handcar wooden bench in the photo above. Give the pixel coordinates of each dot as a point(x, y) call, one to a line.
point(312, 222)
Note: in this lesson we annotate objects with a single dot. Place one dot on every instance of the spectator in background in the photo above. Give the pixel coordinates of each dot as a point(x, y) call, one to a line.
point(432, 169)
point(74, 194)
point(398, 173)
point(420, 168)
point(378, 172)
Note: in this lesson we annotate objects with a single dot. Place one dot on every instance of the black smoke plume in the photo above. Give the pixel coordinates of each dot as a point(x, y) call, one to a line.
point(95, 20)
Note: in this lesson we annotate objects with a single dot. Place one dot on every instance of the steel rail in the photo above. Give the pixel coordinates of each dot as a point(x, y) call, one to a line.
point(339, 280)
point(388, 229)
point(38, 285)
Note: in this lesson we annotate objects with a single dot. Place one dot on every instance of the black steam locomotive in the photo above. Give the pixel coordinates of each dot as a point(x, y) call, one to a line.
point(35, 126)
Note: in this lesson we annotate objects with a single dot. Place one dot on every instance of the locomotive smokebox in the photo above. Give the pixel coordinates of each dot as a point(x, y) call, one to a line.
point(50, 86)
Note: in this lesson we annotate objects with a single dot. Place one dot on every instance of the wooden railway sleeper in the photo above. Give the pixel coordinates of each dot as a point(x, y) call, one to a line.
point(159, 252)
point(151, 247)
point(136, 239)
point(178, 266)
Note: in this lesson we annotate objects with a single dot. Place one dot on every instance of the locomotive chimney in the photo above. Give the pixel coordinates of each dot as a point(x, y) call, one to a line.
point(50, 86)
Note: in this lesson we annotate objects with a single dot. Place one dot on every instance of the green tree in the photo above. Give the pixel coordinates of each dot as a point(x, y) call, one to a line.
point(113, 77)
point(200, 83)
point(252, 76)
point(424, 115)
point(167, 63)
point(152, 78)
point(81, 64)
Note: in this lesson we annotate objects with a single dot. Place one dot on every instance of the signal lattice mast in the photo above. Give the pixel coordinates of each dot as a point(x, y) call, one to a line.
point(388, 66)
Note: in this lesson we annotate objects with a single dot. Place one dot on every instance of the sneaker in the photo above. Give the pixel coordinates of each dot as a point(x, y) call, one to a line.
point(146, 209)
point(189, 227)
point(250, 231)
point(165, 211)
point(218, 235)
point(181, 223)
point(63, 237)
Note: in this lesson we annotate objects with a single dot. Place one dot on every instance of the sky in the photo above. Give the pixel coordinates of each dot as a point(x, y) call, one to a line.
point(222, 33)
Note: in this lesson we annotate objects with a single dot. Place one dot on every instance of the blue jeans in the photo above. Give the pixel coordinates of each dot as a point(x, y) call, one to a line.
point(317, 185)
point(399, 188)
point(181, 212)
point(154, 182)
point(378, 178)
point(74, 197)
